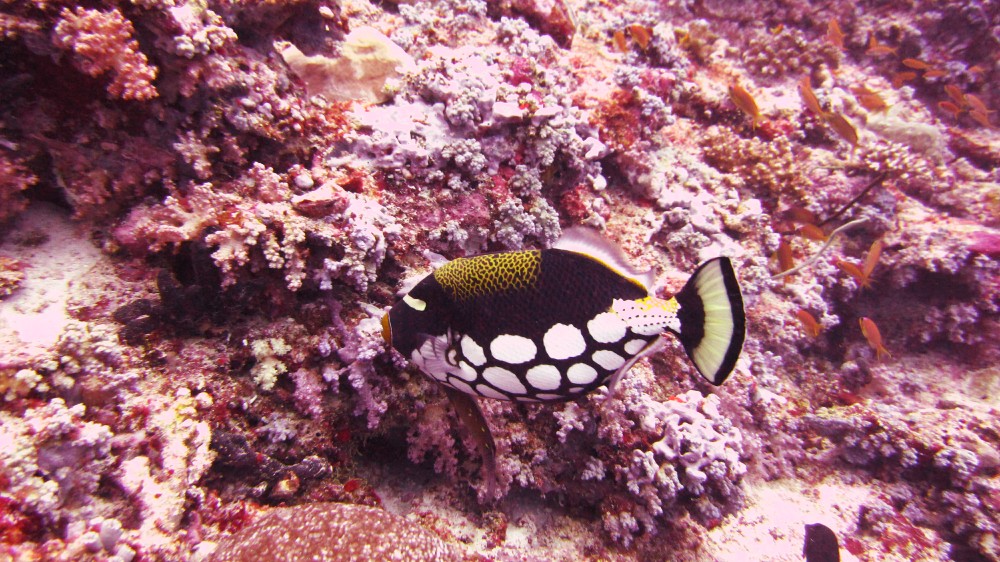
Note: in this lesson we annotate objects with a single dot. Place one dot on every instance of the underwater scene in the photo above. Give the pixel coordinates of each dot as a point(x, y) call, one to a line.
point(505, 280)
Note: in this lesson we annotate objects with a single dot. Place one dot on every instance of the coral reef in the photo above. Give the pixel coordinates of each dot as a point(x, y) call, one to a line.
point(206, 207)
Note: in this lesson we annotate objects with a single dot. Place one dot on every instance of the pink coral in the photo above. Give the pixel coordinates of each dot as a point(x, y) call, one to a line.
point(103, 42)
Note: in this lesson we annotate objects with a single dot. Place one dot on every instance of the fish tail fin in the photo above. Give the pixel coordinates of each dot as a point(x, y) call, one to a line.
point(712, 321)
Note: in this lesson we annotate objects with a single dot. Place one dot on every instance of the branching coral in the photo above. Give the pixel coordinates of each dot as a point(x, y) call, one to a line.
point(103, 43)
point(769, 166)
point(787, 52)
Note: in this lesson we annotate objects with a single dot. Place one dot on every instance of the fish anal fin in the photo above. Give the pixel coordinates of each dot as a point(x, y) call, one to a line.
point(472, 417)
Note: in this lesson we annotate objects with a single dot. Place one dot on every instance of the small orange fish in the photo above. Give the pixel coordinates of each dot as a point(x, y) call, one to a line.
point(900, 78)
point(777, 29)
point(809, 97)
point(834, 34)
point(619, 40)
point(871, 260)
point(981, 118)
point(871, 333)
point(805, 216)
point(809, 323)
point(935, 73)
point(868, 99)
point(785, 259)
point(878, 49)
point(915, 64)
point(852, 270)
point(873, 102)
point(813, 232)
point(976, 69)
point(950, 108)
point(743, 100)
point(641, 34)
point(956, 94)
point(842, 127)
point(977, 104)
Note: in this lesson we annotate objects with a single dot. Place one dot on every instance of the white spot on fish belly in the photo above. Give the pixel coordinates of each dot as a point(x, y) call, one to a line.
point(473, 351)
point(504, 380)
point(513, 349)
point(607, 327)
point(634, 346)
point(563, 341)
point(608, 359)
point(459, 385)
point(544, 377)
point(488, 392)
point(466, 371)
point(581, 373)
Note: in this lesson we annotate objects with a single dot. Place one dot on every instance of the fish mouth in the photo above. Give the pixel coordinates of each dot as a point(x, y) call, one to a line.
point(386, 329)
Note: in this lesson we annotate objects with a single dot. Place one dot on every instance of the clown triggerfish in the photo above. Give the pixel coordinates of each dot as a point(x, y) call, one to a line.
point(551, 325)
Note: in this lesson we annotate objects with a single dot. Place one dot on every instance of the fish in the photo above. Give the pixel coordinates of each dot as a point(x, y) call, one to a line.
point(869, 99)
point(981, 118)
point(821, 544)
point(555, 324)
point(743, 100)
point(813, 232)
point(950, 108)
point(874, 337)
point(809, 324)
point(916, 64)
point(834, 34)
point(785, 260)
point(619, 40)
point(854, 271)
point(977, 104)
point(641, 34)
point(842, 127)
point(879, 49)
point(809, 97)
point(871, 260)
point(956, 94)
point(900, 78)
point(935, 73)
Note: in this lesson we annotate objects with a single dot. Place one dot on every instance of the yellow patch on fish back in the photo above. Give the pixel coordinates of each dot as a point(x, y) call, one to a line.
point(653, 304)
point(466, 278)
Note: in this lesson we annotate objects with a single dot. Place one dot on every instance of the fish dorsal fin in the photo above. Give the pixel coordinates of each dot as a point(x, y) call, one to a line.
point(590, 243)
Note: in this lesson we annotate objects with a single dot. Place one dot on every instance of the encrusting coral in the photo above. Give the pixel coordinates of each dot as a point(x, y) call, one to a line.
point(207, 206)
point(332, 532)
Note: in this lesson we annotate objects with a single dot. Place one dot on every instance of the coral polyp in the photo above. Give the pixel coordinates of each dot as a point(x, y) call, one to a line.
point(207, 207)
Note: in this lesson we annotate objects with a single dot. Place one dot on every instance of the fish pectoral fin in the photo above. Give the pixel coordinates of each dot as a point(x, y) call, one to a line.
point(656, 345)
point(434, 355)
point(472, 417)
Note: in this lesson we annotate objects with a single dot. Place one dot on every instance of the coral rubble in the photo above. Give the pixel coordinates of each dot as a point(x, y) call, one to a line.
point(207, 206)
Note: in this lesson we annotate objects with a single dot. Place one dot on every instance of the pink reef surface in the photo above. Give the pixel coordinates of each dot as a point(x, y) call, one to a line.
point(207, 206)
